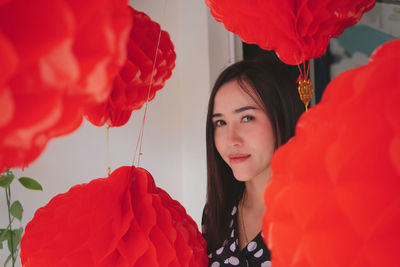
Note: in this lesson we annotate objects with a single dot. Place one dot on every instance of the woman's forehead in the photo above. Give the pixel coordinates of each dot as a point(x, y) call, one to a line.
point(233, 95)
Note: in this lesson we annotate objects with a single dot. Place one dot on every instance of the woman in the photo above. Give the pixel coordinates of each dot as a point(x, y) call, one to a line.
point(253, 109)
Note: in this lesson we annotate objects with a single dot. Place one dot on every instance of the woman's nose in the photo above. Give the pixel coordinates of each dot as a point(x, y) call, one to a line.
point(234, 136)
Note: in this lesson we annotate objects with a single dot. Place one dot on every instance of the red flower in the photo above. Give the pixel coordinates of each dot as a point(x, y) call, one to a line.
point(131, 86)
point(297, 30)
point(122, 220)
point(57, 56)
point(334, 198)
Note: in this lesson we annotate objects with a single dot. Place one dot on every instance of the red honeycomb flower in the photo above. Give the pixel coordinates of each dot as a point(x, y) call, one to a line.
point(131, 86)
point(122, 220)
point(297, 30)
point(57, 56)
point(334, 197)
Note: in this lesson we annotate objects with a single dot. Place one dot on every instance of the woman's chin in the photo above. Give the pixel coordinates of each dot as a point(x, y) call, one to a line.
point(240, 177)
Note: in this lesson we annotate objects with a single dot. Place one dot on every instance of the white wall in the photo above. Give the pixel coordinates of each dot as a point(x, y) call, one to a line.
point(174, 135)
point(195, 82)
point(225, 47)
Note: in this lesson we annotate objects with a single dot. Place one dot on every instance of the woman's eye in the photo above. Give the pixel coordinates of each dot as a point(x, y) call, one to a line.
point(219, 123)
point(247, 118)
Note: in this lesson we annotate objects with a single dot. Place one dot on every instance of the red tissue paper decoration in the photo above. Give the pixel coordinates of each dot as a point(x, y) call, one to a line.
point(334, 197)
point(297, 30)
point(131, 87)
point(56, 56)
point(122, 220)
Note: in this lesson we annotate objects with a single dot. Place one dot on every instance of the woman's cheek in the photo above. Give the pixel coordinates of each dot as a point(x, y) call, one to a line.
point(219, 140)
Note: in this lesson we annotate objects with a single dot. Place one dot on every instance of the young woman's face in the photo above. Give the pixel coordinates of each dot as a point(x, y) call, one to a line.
point(243, 133)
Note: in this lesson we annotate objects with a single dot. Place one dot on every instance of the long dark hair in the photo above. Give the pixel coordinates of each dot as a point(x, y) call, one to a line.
point(275, 86)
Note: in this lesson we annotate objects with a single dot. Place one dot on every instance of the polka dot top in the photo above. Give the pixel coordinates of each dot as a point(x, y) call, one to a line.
point(254, 254)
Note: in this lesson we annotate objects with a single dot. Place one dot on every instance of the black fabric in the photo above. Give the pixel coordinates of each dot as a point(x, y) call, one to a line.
point(254, 254)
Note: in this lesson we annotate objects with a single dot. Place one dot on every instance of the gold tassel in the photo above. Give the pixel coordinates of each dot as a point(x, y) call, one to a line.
point(306, 91)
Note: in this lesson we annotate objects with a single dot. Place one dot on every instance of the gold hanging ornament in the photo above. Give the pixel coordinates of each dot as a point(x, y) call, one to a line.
point(305, 88)
point(306, 91)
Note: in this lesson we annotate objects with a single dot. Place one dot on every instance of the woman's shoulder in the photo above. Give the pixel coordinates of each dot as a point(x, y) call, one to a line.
point(255, 253)
point(226, 253)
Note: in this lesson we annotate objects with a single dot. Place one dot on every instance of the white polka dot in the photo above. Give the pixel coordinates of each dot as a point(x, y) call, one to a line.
point(219, 251)
point(251, 246)
point(210, 255)
point(266, 264)
point(232, 233)
point(234, 210)
point(233, 260)
point(233, 247)
point(259, 253)
point(215, 264)
point(226, 261)
point(231, 224)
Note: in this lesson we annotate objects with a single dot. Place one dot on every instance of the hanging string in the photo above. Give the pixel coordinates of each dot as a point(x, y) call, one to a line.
point(301, 73)
point(108, 150)
point(140, 137)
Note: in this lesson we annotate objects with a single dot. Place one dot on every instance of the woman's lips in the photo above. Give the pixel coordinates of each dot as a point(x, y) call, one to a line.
point(238, 158)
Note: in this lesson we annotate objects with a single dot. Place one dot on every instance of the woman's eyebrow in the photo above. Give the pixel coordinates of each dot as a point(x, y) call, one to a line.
point(216, 115)
point(244, 109)
point(239, 110)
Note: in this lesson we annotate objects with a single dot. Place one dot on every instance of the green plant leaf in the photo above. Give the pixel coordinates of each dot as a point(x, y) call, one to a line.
point(7, 260)
point(1, 245)
point(10, 247)
point(4, 234)
point(30, 183)
point(16, 239)
point(16, 210)
point(18, 235)
point(6, 179)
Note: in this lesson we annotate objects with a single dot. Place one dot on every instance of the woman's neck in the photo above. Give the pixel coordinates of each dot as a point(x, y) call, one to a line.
point(254, 192)
point(251, 208)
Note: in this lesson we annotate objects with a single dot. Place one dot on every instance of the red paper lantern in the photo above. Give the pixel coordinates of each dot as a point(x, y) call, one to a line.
point(297, 30)
point(57, 56)
point(122, 220)
point(334, 197)
point(131, 87)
